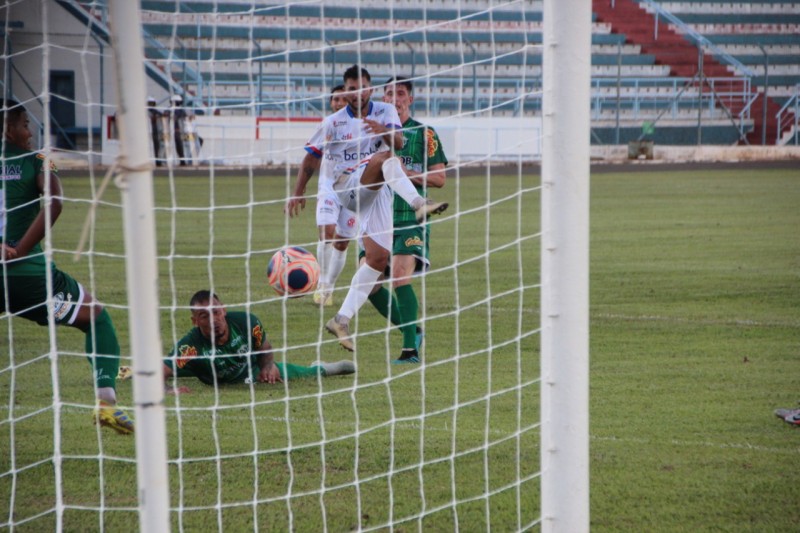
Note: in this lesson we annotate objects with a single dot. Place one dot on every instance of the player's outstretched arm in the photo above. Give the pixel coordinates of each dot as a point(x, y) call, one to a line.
point(268, 370)
point(297, 202)
point(435, 177)
point(391, 136)
point(169, 389)
point(36, 230)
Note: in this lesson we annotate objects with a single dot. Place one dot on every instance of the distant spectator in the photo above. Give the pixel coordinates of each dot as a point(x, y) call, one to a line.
point(178, 117)
point(155, 128)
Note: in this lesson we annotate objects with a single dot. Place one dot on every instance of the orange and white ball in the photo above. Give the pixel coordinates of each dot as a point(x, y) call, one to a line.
point(293, 271)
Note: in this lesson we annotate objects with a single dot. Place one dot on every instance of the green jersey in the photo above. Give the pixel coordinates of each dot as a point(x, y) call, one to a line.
point(20, 204)
point(230, 363)
point(421, 150)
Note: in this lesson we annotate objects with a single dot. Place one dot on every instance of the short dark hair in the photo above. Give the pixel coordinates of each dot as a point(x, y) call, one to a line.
point(401, 80)
point(355, 73)
point(336, 89)
point(201, 297)
point(11, 113)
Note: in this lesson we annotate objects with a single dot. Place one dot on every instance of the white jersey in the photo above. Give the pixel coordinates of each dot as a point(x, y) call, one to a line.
point(342, 142)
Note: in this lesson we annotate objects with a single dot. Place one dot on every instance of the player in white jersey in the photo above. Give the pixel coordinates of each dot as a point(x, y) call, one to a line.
point(337, 227)
point(353, 151)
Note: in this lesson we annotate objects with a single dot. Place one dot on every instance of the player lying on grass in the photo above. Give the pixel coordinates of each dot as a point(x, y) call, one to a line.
point(23, 279)
point(225, 347)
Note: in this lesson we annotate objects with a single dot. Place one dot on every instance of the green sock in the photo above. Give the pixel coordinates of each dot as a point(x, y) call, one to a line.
point(290, 371)
point(103, 350)
point(408, 306)
point(386, 305)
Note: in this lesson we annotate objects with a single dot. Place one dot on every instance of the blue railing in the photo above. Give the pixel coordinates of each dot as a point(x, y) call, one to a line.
point(697, 38)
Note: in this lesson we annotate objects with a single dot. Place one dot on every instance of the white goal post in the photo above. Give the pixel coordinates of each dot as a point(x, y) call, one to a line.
point(565, 266)
point(136, 183)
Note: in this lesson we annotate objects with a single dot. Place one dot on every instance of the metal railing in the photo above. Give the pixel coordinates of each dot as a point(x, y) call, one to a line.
point(789, 115)
point(698, 39)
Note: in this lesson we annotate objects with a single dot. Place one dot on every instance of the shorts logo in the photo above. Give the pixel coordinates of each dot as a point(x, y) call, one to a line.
point(186, 352)
point(413, 241)
point(351, 222)
point(61, 306)
point(329, 202)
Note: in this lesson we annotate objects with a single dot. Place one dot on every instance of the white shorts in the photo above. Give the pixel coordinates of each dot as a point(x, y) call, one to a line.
point(330, 211)
point(374, 208)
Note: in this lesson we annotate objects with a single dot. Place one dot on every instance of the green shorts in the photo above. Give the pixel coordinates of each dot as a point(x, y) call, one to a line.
point(414, 241)
point(27, 297)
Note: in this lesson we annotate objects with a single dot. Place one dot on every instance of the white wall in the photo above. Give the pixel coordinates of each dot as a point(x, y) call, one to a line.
point(242, 141)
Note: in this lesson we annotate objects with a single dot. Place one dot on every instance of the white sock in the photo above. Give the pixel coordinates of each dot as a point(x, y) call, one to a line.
point(363, 281)
point(107, 394)
point(336, 261)
point(397, 180)
point(324, 262)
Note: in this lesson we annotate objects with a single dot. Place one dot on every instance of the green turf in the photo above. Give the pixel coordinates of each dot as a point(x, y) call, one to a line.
point(694, 341)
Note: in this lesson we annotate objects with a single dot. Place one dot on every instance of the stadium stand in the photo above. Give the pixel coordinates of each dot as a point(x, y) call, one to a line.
point(753, 33)
point(279, 60)
point(496, 72)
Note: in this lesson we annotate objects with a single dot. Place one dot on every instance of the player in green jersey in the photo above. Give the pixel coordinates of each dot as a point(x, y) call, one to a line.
point(23, 279)
point(424, 162)
point(232, 347)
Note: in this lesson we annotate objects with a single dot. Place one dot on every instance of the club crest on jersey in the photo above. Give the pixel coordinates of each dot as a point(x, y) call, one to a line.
point(432, 142)
point(258, 335)
point(61, 305)
point(52, 164)
point(185, 352)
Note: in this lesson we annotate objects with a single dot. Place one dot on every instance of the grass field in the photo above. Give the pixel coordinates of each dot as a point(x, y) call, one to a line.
point(695, 322)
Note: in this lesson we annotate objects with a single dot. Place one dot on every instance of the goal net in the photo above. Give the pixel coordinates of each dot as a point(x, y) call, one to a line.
point(234, 92)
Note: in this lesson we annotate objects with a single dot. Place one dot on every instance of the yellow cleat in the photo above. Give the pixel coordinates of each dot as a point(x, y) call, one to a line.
point(323, 298)
point(113, 417)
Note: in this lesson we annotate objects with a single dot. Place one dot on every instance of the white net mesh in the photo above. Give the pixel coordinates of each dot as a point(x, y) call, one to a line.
point(448, 443)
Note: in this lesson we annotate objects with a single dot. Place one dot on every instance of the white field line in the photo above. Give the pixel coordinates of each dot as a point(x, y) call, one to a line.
point(700, 444)
point(700, 321)
point(439, 427)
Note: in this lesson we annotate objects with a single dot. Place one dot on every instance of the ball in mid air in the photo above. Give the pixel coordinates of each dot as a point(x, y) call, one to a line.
point(293, 271)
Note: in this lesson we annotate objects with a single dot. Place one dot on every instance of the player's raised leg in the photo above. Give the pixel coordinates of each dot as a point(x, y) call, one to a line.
point(367, 193)
point(395, 177)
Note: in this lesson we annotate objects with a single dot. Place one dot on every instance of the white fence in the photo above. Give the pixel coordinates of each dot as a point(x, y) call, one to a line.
point(243, 141)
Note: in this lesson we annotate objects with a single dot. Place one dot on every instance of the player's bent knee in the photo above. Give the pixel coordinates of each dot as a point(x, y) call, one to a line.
point(378, 261)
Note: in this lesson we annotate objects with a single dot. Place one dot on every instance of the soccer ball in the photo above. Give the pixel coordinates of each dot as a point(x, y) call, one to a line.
point(293, 271)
